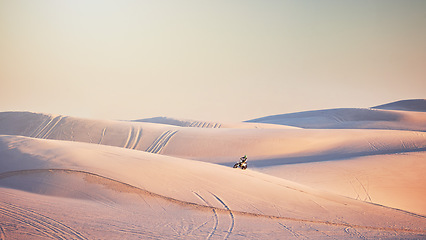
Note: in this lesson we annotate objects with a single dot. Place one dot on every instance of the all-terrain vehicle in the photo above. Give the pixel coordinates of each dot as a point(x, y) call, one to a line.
point(242, 163)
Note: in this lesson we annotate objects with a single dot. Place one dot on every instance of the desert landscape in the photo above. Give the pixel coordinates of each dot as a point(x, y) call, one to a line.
point(126, 119)
point(325, 174)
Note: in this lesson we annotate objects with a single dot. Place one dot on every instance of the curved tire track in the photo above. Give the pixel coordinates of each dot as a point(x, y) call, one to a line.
point(216, 219)
point(44, 224)
point(137, 139)
point(226, 209)
point(133, 138)
point(231, 226)
point(158, 145)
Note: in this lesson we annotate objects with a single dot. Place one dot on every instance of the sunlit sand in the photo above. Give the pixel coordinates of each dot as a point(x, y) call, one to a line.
point(326, 174)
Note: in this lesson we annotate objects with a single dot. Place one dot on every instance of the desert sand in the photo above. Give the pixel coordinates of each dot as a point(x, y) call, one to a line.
point(325, 174)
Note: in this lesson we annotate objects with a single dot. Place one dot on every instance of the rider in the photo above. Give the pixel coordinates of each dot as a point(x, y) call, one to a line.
point(242, 163)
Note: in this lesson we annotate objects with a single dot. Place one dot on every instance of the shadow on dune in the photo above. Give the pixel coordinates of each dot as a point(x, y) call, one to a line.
point(11, 156)
point(74, 184)
point(417, 105)
point(343, 118)
point(319, 158)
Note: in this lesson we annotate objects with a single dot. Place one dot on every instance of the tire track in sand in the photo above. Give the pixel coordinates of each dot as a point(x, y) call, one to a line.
point(129, 137)
point(40, 127)
point(200, 124)
point(354, 233)
point(348, 226)
point(231, 226)
point(133, 138)
point(45, 129)
point(137, 139)
point(2, 233)
point(216, 219)
point(102, 135)
point(295, 234)
point(52, 126)
point(41, 223)
point(158, 145)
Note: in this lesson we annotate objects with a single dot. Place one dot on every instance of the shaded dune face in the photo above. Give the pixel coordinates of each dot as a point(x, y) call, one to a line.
point(67, 184)
point(402, 115)
point(416, 105)
point(223, 145)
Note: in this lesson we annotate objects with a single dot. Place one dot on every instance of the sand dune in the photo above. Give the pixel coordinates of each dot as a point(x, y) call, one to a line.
point(360, 177)
point(395, 180)
point(416, 105)
point(96, 173)
point(386, 116)
point(171, 177)
point(204, 124)
point(217, 145)
point(180, 123)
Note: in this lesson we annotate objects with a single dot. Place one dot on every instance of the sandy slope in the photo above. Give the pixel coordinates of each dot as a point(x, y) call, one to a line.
point(216, 145)
point(267, 148)
point(172, 177)
point(395, 180)
point(203, 124)
point(168, 178)
point(92, 175)
point(417, 105)
point(401, 115)
point(350, 118)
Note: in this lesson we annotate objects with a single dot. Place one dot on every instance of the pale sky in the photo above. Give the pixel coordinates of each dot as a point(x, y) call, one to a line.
point(219, 60)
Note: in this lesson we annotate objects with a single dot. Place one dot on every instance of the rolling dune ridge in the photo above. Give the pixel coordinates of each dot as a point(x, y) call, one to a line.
point(326, 174)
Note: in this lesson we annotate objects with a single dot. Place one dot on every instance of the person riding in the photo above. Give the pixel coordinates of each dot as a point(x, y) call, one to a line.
point(242, 163)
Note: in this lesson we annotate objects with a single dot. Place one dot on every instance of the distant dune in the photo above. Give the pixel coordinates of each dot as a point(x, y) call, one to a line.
point(336, 173)
point(180, 123)
point(386, 116)
point(416, 105)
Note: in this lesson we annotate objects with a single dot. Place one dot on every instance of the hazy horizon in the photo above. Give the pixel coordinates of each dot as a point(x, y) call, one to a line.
point(208, 60)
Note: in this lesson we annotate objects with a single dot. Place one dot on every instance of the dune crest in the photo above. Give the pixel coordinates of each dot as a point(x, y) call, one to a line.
point(394, 116)
point(416, 105)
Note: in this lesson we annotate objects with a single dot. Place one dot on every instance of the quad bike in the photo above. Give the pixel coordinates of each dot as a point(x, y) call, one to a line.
point(242, 165)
